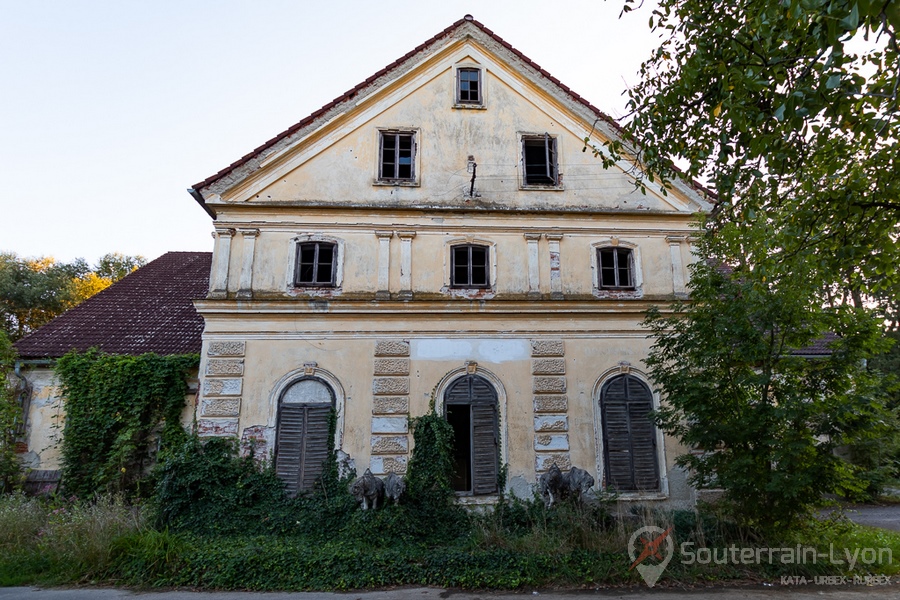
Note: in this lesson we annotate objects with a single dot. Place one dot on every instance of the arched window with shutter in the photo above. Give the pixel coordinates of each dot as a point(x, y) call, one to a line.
point(301, 441)
point(629, 436)
point(471, 408)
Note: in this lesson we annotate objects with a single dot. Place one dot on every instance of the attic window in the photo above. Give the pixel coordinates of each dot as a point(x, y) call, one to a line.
point(539, 159)
point(398, 156)
point(468, 86)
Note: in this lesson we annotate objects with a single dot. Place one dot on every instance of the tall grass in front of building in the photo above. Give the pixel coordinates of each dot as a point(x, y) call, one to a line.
point(54, 542)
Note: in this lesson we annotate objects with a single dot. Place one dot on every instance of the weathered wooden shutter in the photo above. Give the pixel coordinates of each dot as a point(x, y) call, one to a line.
point(482, 398)
point(629, 436)
point(301, 444)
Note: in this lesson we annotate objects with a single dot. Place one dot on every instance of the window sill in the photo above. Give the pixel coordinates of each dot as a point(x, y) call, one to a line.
point(541, 188)
point(470, 106)
point(396, 183)
point(637, 497)
point(470, 500)
point(618, 294)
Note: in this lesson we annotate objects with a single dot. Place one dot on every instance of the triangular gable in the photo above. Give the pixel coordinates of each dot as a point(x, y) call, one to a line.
point(370, 102)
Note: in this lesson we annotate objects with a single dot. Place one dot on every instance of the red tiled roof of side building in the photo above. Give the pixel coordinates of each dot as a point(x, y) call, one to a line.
point(150, 310)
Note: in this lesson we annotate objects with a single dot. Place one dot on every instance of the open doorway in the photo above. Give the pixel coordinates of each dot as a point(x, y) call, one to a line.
point(470, 407)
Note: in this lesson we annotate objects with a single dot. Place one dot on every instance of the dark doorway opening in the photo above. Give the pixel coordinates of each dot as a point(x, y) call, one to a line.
point(470, 407)
point(460, 418)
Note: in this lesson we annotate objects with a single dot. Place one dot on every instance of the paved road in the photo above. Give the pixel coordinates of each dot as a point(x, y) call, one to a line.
point(887, 516)
point(801, 592)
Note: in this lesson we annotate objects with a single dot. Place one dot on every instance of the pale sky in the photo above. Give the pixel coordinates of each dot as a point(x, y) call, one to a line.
point(111, 109)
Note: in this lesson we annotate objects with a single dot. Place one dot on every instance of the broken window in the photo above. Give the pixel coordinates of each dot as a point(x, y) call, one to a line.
point(469, 266)
point(301, 439)
point(315, 264)
point(398, 155)
point(468, 86)
point(616, 268)
point(539, 159)
point(629, 436)
point(470, 407)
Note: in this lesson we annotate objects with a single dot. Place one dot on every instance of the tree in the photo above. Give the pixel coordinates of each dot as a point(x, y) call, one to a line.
point(763, 420)
point(10, 417)
point(34, 291)
point(115, 265)
point(788, 109)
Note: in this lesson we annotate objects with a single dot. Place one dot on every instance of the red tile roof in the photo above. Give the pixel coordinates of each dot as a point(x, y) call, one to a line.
point(150, 310)
point(353, 91)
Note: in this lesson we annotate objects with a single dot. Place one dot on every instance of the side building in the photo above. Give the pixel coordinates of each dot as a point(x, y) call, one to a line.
point(437, 238)
point(149, 310)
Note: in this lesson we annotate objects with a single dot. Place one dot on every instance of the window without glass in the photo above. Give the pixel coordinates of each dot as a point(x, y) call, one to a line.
point(301, 439)
point(616, 268)
point(315, 264)
point(398, 154)
point(468, 86)
point(469, 268)
point(629, 436)
point(539, 159)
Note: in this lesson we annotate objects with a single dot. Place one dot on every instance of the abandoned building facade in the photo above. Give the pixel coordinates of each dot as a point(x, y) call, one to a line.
point(437, 238)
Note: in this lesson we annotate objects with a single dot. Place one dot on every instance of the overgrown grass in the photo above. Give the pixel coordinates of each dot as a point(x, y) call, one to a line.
point(62, 542)
point(518, 545)
point(219, 521)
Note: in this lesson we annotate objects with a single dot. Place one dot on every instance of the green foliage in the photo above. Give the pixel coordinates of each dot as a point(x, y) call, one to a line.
point(62, 542)
point(878, 458)
point(204, 486)
point(34, 291)
point(114, 408)
point(765, 419)
point(10, 416)
point(431, 465)
point(788, 109)
point(115, 265)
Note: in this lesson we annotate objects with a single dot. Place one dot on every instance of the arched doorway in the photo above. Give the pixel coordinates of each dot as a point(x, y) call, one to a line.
point(470, 407)
point(301, 439)
point(629, 436)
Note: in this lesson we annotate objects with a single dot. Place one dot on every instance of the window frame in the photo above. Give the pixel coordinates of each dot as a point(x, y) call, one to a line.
point(453, 266)
point(479, 80)
point(635, 292)
point(635, 452)
point(616, 251)
point(484, 452)
point(552, 173)
point(313, 422)
point(298, 264)
point(294, 287)
point(392, 179)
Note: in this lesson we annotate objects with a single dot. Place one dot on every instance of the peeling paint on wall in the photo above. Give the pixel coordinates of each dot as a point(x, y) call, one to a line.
point(486, 350)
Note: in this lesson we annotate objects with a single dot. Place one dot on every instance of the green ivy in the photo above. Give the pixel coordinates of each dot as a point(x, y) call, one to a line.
point(10, 415)
point(117, 407)
point(431, 465)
